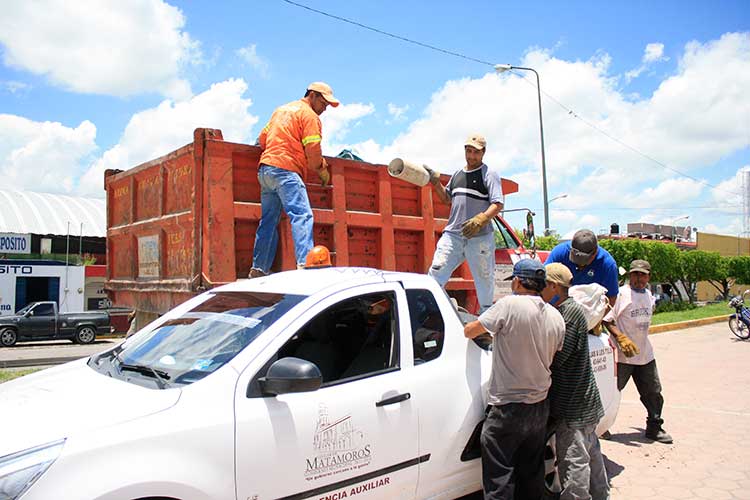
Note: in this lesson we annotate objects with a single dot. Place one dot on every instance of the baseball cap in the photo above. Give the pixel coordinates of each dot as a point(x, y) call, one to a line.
point(476, 141)
point(528, 268)
point(559, 273)
point(582, 247)
point(326, 91)
point(641, 266)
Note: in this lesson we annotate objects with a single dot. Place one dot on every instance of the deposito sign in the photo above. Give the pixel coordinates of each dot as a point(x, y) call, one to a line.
point(15, 243)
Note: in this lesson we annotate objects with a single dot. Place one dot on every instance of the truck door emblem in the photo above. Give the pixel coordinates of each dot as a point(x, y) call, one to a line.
point(338, 447)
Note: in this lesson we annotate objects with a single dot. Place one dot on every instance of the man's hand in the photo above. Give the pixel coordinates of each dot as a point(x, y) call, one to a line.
point(628, 348)
point(434, 176)
point(325, 176)
point(472, 226)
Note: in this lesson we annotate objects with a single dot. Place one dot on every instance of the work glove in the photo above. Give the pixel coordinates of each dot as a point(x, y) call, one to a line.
point(628, 348)
point(472, 226)
point(434, 176)
point(325, 176)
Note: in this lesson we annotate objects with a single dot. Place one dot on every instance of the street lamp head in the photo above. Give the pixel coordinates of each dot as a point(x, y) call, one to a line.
point(560, 196)
point(501, 68)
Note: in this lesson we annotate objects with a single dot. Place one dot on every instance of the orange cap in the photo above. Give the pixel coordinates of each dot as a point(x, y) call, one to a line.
point(319, 256)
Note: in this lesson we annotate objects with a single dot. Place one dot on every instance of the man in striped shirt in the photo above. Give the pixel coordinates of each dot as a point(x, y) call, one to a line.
point(291, 147)
point(475, 195)
point(575, 406)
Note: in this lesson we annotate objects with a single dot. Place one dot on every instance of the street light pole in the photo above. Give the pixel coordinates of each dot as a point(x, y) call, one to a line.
point(500, 68)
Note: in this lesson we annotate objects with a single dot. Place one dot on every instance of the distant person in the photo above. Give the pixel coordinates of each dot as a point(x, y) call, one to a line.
point(526, 334)
point(291, 146)
point(475, 195)
point(588, 262)
point(630, 320)
point(575, 405)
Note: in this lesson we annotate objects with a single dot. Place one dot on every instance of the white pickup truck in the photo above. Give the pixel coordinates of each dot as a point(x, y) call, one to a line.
point(326, 383)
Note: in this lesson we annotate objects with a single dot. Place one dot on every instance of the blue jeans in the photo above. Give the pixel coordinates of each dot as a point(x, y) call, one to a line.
point(479, 251)
point(282, 188)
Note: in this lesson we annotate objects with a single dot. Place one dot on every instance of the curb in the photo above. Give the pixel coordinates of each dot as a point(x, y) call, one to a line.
point(667, 327)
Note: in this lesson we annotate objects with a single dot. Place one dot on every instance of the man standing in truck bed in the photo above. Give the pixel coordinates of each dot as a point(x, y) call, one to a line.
point(475, 195)
point(291, 146)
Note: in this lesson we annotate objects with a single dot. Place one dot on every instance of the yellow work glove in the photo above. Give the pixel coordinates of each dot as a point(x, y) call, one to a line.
point(472, 226)
point(628, 348)
point(325, 176)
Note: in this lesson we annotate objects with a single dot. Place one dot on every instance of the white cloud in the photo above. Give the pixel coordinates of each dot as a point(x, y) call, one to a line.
point(43, 156)
point(106, 47)
point(397, 112)
point(15, 87)
point(154, 132)
point(338, 122)
point(250, 56)
point(653, 53)
point(695, 117)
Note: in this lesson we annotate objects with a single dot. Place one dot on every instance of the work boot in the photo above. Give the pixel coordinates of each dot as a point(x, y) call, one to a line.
point(656, 433)
point(256, 273)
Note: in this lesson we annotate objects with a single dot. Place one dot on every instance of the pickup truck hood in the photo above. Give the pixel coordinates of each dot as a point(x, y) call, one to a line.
point(58, 402)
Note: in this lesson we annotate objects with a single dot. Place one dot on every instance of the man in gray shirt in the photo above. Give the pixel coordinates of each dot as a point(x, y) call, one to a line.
point(475, 195)
point(526, 333)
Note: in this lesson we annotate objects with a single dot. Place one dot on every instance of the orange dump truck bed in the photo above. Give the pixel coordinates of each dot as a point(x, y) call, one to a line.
point(186, 222)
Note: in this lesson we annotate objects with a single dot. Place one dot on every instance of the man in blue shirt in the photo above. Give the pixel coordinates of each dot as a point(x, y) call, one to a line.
point(588, 262)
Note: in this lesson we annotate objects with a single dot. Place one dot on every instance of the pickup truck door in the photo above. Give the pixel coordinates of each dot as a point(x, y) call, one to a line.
point(41, 323)
point(358, 433)
point(450, 375)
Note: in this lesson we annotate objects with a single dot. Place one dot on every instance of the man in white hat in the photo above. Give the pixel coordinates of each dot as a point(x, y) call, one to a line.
point(475, 195)
point(291, 147)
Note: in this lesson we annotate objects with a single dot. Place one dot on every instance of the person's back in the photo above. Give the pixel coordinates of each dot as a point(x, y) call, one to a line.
point(573, 395)
point(526, 335)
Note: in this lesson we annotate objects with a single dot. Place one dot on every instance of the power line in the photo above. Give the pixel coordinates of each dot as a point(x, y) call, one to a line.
point(397, 37)
point(487, 63)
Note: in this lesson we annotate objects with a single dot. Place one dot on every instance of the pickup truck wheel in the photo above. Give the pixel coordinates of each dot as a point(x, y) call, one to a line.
point(8, 337)
point(85, 335)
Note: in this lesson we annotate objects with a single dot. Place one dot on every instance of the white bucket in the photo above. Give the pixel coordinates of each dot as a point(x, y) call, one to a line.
point(409, 172)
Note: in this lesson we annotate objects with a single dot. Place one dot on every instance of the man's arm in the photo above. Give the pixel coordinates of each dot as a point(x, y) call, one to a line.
point(263, 135)
point(627, 346)
point(474, 329)
point(440, 190)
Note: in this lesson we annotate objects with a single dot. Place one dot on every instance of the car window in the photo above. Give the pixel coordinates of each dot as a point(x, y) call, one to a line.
point(208, 336)
point(44, 310)
point(427, 325)
point(503, 239)
point(353, 339)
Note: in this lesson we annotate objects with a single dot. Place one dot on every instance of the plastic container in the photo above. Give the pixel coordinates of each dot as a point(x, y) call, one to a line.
point(409, 172)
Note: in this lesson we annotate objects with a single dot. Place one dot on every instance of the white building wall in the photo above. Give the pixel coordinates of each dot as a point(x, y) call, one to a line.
point(72, 278)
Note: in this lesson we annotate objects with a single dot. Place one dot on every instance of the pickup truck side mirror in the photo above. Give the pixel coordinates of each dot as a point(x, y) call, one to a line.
point(289, 375)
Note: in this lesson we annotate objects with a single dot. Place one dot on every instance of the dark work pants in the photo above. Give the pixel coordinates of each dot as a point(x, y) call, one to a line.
point(513, 438)
point(646, 378)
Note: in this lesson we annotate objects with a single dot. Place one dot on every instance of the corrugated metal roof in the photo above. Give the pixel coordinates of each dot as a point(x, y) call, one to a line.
point(45, 213)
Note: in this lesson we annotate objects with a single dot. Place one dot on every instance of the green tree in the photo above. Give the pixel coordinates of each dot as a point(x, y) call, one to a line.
point(698, 265)
point(738, 268)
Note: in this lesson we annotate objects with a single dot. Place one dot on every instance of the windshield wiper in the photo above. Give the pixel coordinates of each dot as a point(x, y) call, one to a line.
point(159, 375)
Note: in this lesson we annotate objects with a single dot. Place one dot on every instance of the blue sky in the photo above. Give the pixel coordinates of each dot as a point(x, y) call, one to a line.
point(113, 84)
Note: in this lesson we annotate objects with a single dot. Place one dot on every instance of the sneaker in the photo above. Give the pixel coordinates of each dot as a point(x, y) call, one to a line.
point(256, 273)
point(660, 435)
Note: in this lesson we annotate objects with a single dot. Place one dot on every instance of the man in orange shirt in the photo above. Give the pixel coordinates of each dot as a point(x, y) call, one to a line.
point(291, 146)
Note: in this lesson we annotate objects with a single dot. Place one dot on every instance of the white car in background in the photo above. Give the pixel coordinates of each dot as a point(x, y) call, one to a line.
point(324, 383)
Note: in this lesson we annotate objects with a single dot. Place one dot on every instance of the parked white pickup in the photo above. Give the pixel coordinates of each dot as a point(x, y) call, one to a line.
point(326, 383)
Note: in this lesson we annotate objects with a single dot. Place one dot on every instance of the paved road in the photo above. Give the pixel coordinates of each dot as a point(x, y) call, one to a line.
point(704, 373)
point(50, 352)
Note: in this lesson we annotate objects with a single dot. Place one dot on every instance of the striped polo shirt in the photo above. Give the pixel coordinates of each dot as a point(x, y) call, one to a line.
point(573, 395)
point(471, 193)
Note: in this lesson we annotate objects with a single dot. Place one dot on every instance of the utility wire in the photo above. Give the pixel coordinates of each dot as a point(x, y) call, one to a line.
point(525, 78)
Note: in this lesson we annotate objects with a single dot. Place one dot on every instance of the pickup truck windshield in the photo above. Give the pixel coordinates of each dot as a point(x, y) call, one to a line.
point(188, 348)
